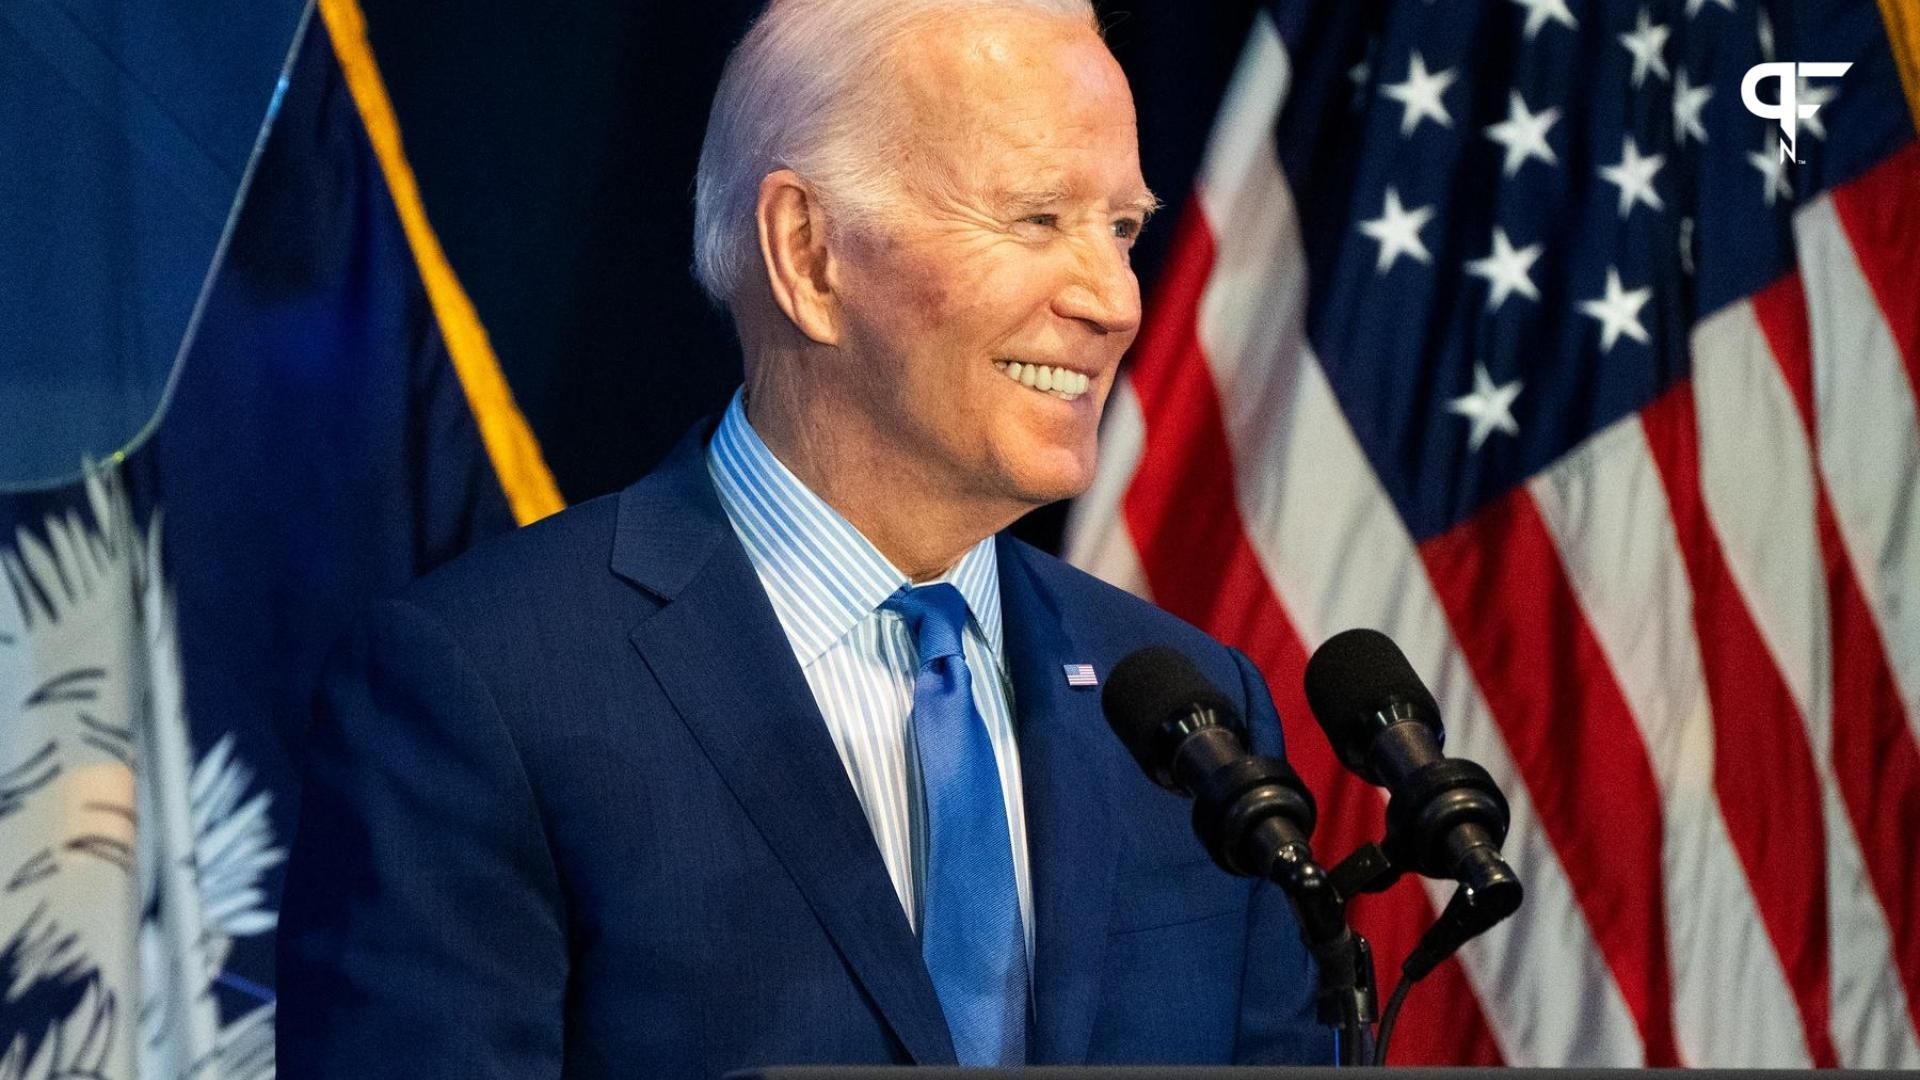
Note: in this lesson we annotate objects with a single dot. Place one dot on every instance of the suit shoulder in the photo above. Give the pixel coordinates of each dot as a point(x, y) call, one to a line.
point(1111, 624)
point(1116, 617)
point(560, 559)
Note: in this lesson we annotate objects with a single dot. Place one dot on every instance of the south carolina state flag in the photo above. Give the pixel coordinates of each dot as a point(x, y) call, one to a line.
point(226, 430)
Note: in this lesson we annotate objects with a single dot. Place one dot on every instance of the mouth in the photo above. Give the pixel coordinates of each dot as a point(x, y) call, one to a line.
point(1063, 383)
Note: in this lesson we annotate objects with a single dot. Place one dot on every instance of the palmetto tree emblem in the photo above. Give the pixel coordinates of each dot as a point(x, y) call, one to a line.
point(126, 868)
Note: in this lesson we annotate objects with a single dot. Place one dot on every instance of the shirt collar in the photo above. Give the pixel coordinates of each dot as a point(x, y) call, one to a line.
point(823, 576)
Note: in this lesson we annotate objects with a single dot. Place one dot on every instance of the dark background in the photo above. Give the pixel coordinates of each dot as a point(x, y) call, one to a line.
point(555, 147)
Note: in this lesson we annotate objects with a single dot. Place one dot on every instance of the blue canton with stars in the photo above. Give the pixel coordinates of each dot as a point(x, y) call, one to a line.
point(1516, 210)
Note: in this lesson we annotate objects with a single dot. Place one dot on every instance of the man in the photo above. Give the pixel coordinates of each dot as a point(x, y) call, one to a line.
point(775, 756)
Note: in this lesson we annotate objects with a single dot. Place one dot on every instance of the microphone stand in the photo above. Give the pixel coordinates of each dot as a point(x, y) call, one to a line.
point(1469, 914)
point(1348, 999)
point(1246, 830)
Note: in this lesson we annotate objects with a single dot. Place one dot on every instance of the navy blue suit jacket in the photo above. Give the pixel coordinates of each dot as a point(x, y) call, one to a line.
point(570, 810)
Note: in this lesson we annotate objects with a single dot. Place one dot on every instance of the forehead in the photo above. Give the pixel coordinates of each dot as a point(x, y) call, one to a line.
point(1028, 99)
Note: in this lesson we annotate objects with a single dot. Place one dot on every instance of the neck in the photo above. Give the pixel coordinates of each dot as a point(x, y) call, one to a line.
point(914, 517)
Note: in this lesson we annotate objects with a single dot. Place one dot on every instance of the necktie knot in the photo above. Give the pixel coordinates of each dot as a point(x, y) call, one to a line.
point(936, 617)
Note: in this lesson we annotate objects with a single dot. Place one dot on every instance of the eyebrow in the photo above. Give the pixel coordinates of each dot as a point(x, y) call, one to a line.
point(1145, 203)
point(1020, 202)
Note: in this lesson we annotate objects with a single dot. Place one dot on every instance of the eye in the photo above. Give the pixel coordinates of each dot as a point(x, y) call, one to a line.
point(1127, 228)
point(1045, 221)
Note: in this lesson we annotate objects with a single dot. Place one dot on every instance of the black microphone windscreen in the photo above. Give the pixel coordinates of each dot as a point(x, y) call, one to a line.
point(1354, 675)
point(1150, 687)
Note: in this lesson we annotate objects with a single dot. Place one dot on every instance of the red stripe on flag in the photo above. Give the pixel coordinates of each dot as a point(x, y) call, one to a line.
point(1572, 737)
point(1875, 758)
point(1781, 311)
point(1185, 522)
point(1763, 765)
point(1880, 211)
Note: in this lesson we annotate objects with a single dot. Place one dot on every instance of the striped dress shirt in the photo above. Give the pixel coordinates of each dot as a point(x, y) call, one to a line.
point(827, 582)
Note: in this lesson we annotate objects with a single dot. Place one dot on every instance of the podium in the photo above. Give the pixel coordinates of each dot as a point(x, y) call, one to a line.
point(1315, 1072)
point(1287, 1073)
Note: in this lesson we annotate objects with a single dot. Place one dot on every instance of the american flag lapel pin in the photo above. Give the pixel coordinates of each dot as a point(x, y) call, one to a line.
point(1080, 675)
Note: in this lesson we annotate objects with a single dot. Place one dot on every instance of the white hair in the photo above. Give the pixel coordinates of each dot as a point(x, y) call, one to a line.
point(807, 89)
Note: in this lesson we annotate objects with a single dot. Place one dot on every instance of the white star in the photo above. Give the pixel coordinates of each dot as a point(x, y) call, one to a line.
point(1688, 100)
point(1618, 312)
point(1506, 270)
point(1419, 96)
point(1634, 176)
point(1524, 134)
point(1766, 36)
point(1816, 95)
point(1774, 168)
point(1539, 11)
point(1490, 407)
point(1645, 43)
point(1694, 6)
point(1398, 230)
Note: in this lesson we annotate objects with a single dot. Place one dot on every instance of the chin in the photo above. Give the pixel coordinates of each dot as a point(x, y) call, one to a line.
point(1051, 476)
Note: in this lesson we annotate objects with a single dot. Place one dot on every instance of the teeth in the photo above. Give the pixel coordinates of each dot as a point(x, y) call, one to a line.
point(1060, 382)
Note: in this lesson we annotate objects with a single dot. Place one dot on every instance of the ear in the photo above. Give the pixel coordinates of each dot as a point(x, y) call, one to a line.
point(793, 245)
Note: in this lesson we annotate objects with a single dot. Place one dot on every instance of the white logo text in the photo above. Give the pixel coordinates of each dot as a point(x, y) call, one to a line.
point(1790, 111)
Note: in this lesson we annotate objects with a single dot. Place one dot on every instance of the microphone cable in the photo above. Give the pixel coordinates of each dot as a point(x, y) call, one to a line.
point(1388, 1016)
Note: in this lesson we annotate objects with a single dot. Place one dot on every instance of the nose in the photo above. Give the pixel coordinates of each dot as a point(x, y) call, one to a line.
point(1103, 293)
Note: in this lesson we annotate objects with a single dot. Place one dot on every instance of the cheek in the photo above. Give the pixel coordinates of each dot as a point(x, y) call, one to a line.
point(892, 276)
point(898, 310)
point(942, 322)
point(923, 289)
point(931, 309)
point(959, 311)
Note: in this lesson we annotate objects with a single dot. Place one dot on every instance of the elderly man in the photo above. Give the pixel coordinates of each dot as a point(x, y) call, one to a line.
point(784, 754)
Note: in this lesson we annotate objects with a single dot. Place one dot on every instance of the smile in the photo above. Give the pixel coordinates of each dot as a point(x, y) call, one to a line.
point(1060, 382)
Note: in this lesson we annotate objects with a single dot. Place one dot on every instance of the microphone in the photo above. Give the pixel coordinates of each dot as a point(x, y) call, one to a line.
point(1252, 812)
point(1447, 817)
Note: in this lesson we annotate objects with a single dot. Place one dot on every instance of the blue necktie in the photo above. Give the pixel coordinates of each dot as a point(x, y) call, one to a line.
point(970, 932)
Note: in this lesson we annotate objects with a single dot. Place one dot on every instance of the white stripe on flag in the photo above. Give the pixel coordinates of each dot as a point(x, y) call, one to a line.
point(1608, 514)
point(1758, 482)
point(1869, 441)
point(1097, 540)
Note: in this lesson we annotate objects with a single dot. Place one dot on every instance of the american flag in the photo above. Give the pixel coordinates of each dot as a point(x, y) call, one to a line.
point(1502, 326)
point(1080, 675)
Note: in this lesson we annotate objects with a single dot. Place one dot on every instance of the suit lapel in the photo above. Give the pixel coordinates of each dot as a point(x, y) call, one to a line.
point(1066, 762)
point(718, 651)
